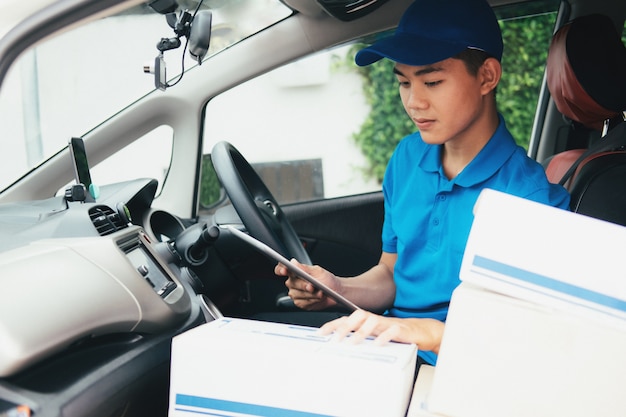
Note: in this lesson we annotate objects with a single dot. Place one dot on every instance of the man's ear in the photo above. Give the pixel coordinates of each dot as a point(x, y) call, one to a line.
point(490, 73)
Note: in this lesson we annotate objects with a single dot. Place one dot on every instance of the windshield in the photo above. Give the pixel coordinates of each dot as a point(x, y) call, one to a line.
point(69, 84)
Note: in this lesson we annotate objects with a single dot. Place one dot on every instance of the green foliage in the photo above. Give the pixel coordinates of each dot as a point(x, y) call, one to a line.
point(526, 49)
point(210, 188)
point(387, 121)
point(526, 44)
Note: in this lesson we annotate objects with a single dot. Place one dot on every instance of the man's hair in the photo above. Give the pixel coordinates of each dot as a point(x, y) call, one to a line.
point(473, 59)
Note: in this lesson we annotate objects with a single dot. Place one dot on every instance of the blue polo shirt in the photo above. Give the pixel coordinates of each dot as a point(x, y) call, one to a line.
point(428, 217)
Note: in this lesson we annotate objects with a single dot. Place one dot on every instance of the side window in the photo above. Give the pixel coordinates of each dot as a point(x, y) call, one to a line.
point(295, 125)
point(526, 42)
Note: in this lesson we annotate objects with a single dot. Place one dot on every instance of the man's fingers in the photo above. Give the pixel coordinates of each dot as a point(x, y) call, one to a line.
point(360, 325)
point(365, 329)
point(343, 326)
point(280, 269)
point(294, 283)
point(388, 335)
point(303, 294)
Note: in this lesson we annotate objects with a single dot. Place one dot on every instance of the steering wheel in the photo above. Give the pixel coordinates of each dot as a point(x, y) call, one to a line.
point(254, 203)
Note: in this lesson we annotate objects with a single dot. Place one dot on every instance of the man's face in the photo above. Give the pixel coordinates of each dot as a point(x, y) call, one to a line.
point(443, 99)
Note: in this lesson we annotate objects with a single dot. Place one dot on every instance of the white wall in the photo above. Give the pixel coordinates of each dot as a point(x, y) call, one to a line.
point(302, 111)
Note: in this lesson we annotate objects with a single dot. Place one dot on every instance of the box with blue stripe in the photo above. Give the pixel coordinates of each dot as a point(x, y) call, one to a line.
point(547, 255)
point(237, 367)
point(537, 326)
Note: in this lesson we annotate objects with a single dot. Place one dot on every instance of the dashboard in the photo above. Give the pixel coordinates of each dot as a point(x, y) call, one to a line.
point(77, 271)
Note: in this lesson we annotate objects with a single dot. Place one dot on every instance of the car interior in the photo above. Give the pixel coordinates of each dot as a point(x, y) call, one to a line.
point(100, 275)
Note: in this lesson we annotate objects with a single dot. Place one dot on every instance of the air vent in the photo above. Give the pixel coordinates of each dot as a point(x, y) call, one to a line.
point(106, 220)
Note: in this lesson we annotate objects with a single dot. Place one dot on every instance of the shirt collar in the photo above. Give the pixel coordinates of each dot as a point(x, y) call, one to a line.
point(491, 157)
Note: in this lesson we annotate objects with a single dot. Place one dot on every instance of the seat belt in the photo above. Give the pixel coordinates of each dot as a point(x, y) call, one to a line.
point(614, 139)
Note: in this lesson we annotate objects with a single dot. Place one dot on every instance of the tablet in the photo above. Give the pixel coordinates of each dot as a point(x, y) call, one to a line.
point(271, 253)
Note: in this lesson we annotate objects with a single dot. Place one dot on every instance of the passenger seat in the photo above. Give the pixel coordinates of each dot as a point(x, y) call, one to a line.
point(586, 75)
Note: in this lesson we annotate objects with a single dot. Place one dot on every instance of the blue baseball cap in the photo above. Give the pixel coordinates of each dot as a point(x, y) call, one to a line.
point(433, 30)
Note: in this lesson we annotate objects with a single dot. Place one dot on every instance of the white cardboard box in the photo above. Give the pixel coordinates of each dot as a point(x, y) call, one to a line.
point(538, 325)
point(236, 367)
point(417, 407)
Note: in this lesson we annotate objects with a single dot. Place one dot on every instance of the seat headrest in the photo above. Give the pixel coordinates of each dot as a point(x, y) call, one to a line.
point(586, 70)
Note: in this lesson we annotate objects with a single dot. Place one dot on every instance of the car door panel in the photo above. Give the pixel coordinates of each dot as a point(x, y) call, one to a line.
point(343, 234)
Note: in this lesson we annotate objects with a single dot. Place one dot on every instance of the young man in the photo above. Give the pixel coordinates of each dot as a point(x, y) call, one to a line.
point(447, 61)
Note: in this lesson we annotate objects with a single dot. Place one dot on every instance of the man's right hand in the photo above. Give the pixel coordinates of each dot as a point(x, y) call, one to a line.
point(302, 292)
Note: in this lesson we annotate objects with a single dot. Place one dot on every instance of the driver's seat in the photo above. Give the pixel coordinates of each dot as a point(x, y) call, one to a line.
point(586, 75)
